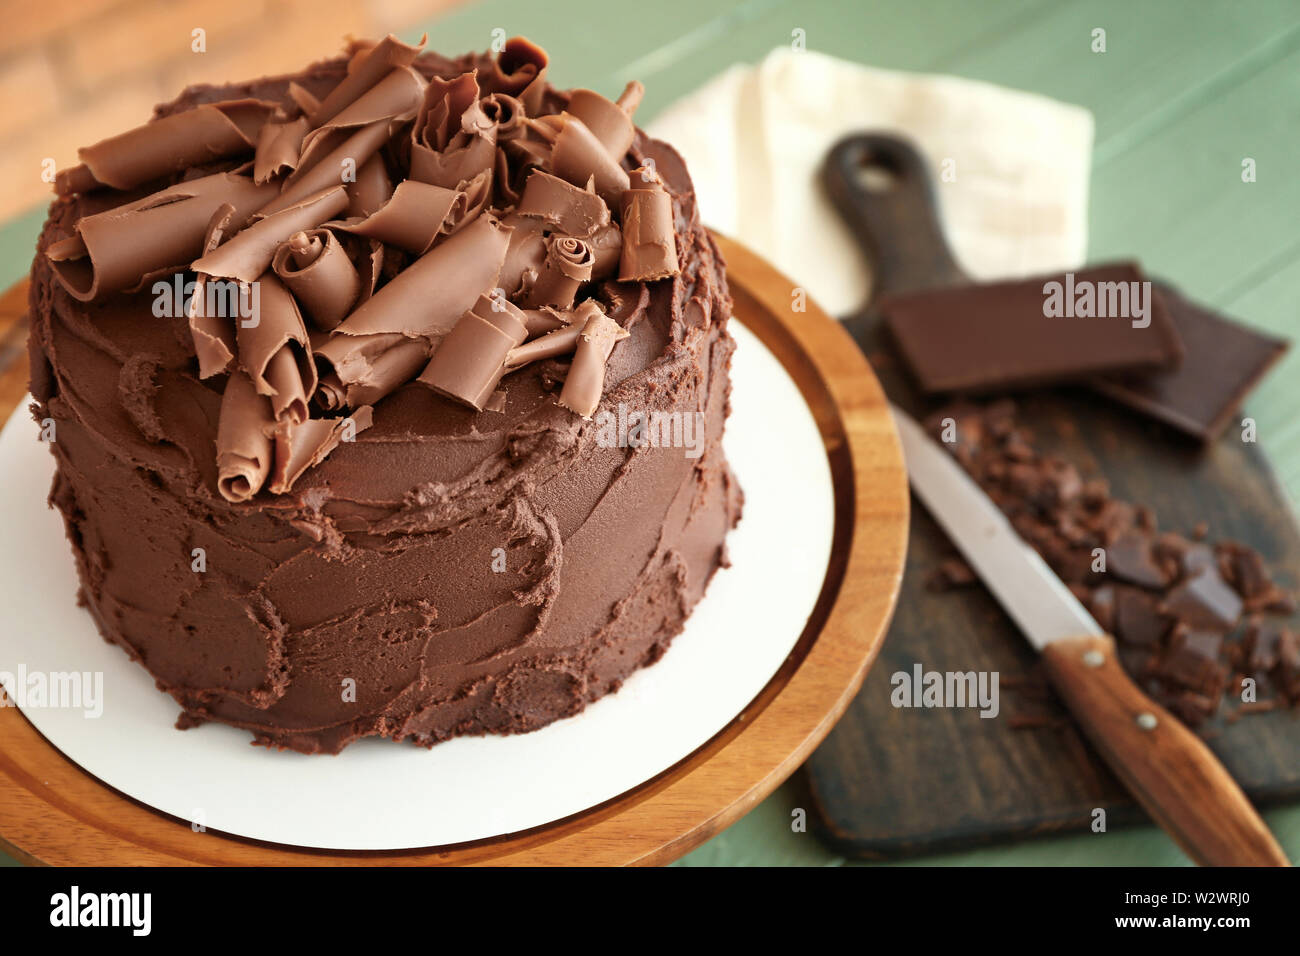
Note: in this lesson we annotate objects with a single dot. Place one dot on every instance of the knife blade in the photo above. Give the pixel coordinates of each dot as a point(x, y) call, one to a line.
point(1167, 768)
point(1031, 593)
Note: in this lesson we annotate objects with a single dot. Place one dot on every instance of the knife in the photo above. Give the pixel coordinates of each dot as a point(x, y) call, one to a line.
point(1167, 768)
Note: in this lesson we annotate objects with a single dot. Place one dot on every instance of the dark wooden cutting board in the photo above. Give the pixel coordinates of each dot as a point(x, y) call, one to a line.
point(892, 782)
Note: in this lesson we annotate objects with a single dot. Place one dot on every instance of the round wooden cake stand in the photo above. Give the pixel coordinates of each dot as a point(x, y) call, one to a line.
point(51, 811)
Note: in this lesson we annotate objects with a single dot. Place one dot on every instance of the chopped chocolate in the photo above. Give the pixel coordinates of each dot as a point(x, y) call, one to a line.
point(1130, 558)
point(1173, 602)
point(1205, 601)
point(1138, 617)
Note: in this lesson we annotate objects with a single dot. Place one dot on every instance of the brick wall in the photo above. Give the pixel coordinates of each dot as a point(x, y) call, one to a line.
point(75, 71)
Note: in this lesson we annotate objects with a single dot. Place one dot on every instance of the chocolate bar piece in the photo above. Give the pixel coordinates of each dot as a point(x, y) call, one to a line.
point(1222, 361)
point(1041, 331)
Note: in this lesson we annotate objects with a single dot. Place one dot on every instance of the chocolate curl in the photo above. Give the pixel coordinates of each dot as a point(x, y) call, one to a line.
point(560, 341)
point(506, 113)
point(278, 329)
point(611, 123)
point(579, 157)
point(278, 147)
point(545, 319)
point(372, 189)
point(320, 274)
point(367, 68)
point(649, 237)
point(303, 99)
point(339, 168)
point(452, 140)
point(243, 439)
point(285, 376)
point(607, 247)
point(120, 249)
point(567, 266)
point(368, 367)
point(213, 335)
point(532, 145)
point(331, 394)
point(249, 253)
point(416, 215)
point(469, 362)
point(397, 95)
point(563, 206)
point(427, 297)
point(586, 381)
point(303, 445)
point(520, 70)
point(167, 146)
point(525, 254)
point(508, 193)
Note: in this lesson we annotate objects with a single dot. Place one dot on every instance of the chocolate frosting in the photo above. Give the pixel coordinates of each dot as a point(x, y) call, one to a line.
point(464, 572)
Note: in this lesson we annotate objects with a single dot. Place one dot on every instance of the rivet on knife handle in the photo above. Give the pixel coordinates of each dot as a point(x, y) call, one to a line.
point(1170, 770)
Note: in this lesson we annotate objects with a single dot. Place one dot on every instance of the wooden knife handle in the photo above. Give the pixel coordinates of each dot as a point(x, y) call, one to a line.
point(1176, 778)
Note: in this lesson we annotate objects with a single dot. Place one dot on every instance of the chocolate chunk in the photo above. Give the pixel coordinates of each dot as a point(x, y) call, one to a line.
point(1138, 617)
point(1262, 647)
point(1131, 559)
point(1101, 605)
point(1205, 601)
point(1222, 361)
point(1008, 334)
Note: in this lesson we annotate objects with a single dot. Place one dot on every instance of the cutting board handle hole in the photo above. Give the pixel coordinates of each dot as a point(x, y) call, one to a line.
point(876, 173)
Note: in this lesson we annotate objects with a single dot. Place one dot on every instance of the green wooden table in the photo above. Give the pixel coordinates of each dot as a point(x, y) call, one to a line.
point(1185, 91)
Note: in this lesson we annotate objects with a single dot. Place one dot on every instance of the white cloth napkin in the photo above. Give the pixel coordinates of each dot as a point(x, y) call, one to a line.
point(754, 138)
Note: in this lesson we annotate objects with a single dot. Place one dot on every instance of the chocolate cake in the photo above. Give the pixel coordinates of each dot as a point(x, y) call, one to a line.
point(335, 368)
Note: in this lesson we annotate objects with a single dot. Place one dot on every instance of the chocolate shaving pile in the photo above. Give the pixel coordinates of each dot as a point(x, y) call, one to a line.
point(1192, 618)
point(443, 231)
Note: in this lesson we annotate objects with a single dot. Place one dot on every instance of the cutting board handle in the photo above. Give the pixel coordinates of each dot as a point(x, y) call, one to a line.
point(881, 187)
point(1170, 771)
